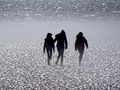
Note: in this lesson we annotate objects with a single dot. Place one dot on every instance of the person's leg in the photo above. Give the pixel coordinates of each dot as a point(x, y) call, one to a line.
point(48, 53)
point(61, 54)
point(81, 55)
point(58, 56)
point(50, 56)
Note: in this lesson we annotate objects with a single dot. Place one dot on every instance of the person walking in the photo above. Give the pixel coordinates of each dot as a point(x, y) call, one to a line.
point(49, 46)
point(62, 44)
point(80, 44)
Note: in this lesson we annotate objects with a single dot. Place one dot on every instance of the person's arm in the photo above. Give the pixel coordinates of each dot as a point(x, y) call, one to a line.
point(44, 46)
point(53, 45)
point(86, 43)
point(76, 45)
point(55, 39)
point(66, 43)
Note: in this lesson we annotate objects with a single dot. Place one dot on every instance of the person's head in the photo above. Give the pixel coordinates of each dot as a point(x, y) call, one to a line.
point(63, 32)
point(80, 34)
point(49, 34)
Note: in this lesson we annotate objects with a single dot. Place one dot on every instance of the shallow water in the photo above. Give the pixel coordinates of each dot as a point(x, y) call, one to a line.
point(23, 64)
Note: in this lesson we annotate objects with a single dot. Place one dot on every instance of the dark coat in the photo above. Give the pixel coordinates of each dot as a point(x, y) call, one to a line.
point(80, 42)
point(49, 43)
point(61, 41)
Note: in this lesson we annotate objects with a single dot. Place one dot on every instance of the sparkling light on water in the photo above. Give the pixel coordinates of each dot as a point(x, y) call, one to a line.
point(59, 9)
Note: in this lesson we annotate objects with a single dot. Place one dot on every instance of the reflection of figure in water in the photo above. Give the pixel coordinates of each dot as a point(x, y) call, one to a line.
point(61, 45)
point(49, 46)
point(80, 45)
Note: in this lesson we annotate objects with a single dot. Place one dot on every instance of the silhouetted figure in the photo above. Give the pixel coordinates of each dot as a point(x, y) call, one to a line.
point(49, 46)
point(80, 45)
point(61, 45)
